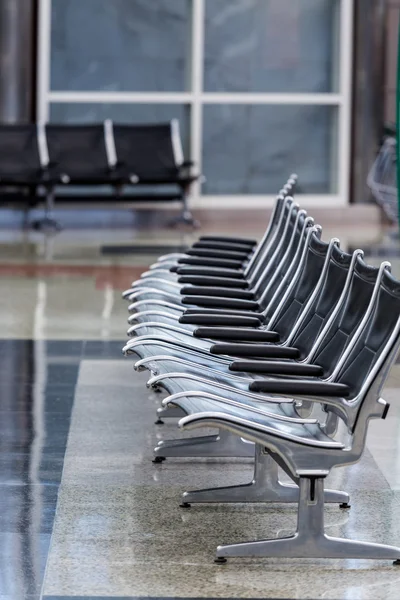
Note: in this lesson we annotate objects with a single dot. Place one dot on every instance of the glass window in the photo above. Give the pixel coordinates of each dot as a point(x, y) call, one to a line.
point(119, 45)
point(271, 45)
point(250, 46)
point(251, 149)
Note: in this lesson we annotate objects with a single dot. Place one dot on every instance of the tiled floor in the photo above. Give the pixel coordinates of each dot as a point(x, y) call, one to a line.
point(83, 511)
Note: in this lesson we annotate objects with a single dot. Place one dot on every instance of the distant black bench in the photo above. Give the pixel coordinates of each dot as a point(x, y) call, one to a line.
point(36, 159)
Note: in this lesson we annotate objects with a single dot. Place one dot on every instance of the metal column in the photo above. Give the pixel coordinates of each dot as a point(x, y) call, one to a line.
point(368, 97)
point(17, 60)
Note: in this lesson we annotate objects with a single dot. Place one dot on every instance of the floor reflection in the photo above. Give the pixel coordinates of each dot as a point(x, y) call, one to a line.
point(37, 383)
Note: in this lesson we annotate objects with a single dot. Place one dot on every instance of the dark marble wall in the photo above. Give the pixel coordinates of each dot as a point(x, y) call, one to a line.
point(17, 36)
point(270, 45)
point(119, 45)
point(251, 149)
point(392, 34)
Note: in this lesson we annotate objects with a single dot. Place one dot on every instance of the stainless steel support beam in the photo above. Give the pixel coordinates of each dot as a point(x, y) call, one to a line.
point(17, 60)
point(368, 91)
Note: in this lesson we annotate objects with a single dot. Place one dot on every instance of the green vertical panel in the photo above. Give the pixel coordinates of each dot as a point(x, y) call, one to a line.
point(398, 122)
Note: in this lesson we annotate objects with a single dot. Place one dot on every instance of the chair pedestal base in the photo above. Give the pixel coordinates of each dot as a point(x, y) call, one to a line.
point(265, 487)
point(222, 445)
point(185, 218)
point(310, 540)
point(46, 224)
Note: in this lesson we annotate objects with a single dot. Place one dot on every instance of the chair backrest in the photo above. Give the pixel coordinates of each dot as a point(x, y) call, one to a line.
point(276, 287)
point(340, 331)
point(151, 152)
point(293, 178)
point(19, 149)
point(283, 258)
point(365, 365)
point(327, 294)
point(272, 225)
point(293, 224)
point(300, 290)
point(269, 248)
point(372, 337)
point(78, 150)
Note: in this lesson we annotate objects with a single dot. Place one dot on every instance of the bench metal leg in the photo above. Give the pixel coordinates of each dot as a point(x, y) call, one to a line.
point(223, 444)
point(186, 217)
point(310, 539)
point(265, 487)
point(118, 189)
point(47, 223)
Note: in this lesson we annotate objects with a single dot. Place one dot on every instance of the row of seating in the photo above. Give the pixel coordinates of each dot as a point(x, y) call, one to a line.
point(284, 346)
point(45, 156)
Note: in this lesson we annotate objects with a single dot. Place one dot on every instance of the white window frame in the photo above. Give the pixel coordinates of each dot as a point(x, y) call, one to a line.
point(196, 98)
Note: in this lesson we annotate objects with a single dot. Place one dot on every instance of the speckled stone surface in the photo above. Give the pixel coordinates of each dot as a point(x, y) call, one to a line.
point(384, 438)
point(119, 530)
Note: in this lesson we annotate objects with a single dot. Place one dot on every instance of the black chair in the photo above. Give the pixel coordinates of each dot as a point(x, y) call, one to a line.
point(284, 310)
point(167, 267)
point(290, 188)
point(152, 155)
point(171, 291)
point(339, 302)
point(247, 271)
point(23, 162)
point(308, 451)
point(78, 155)
point(20, 160)
point(321, 333)
point(297, 221)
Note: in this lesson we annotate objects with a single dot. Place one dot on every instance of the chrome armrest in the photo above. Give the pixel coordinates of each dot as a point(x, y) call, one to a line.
point(146, 313)
point(186, 363)
point(340, 406)
point(146, 280)
point(150, 290)
point(240, 425)
point(172, 256)
point(174, 397)
point(126, 294)
point(162, 265)
point(145, 339)
point(153, 381)
point(151, 340)
point(159, 325)
point(138, 303)
point(155, 272)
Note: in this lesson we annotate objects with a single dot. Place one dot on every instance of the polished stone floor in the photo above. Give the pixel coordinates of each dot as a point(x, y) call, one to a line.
point(83, 511)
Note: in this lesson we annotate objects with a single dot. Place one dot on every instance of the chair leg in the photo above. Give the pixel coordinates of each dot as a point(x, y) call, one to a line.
point(25, 217)
point(223, 444)
point(47, 223)
point(265, 487)
point(186, 217)
point(310, 539)
point(118, 189)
